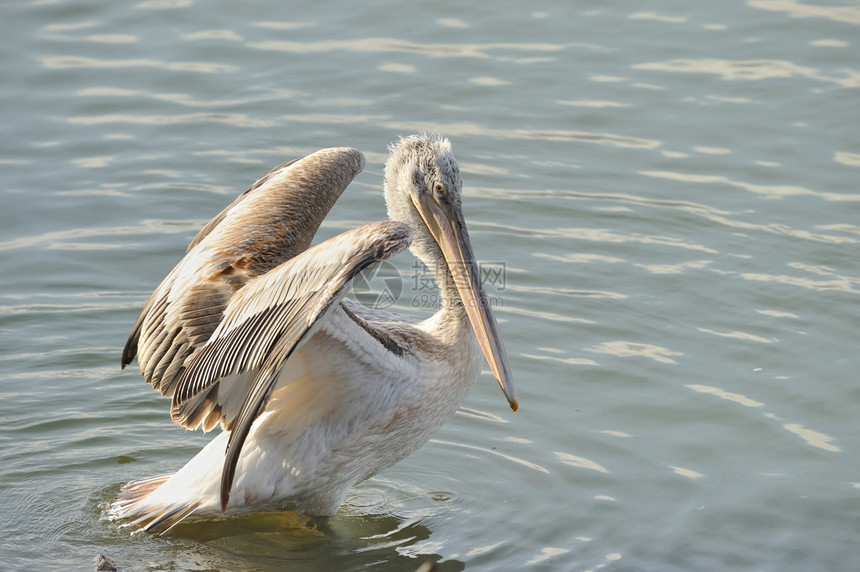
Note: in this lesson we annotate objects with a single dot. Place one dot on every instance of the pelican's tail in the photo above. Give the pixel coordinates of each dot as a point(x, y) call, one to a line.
point(137, 503)
point(157, 504)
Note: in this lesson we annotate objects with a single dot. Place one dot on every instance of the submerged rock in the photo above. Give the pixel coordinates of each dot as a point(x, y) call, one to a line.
point(103, 564)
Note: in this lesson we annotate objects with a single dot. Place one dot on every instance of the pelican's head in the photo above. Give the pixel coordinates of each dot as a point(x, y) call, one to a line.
point(423, 189)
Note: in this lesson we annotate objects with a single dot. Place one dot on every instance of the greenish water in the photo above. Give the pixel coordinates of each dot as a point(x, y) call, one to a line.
point(671, 189)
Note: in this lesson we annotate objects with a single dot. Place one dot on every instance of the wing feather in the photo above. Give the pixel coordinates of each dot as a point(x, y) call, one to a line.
point(265, 322)
point(271, 222)
point(216, 220)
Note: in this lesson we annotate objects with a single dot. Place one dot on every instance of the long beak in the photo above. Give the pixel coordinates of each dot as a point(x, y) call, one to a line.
point(447, 226)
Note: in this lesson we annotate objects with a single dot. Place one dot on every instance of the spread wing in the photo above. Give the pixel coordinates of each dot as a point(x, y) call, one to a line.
point(216, 220)
point(263, 324)
point(271, 222)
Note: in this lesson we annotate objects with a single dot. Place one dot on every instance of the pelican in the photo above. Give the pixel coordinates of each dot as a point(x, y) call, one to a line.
point(315, 393)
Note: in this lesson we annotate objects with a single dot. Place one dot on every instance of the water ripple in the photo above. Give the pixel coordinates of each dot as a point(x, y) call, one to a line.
point(360, 45)
point(739, 336)
point(227, 35)
point(178, 98)
point(846, 14)
point(55, 238)
point(552, 316)
point(769, 191)
point(547, 553)
point(565, 361)
point(164, 4)
point(592, 103)
point(814, 438)
point(685, 472)
point(282, 25)
point(658, 17)
point(679, 268)
point(727, 395)
point(78, 62)
point(234, 119)
point(751, 70)
point(485, 450)
point(580, 258)
point(635, 349)
point(580, 462)
point(846, 158)
point(467, 128)
point(844, 284)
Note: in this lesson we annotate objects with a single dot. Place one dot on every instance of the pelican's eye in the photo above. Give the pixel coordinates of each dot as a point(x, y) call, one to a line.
point(440, 194)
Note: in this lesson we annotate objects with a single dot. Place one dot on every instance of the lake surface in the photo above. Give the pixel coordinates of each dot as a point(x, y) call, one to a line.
point(671, 190)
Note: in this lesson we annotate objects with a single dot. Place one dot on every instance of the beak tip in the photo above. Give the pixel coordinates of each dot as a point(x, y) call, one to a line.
point(515, 404)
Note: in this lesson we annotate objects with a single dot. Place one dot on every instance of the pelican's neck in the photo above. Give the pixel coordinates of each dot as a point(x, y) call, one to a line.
point(450, 326)
point(452, 311)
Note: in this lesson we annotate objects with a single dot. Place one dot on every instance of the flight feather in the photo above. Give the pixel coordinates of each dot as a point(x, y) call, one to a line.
point(271, 222)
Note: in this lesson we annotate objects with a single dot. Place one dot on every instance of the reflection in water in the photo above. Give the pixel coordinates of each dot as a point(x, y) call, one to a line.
point(55, 239)
point(679, 268)
point(178, 98)
point(592, 103)
point(739, 336)
point(711, 150)
point(581, 257)
point(563, 360)
point(481, 415)
point(727, 395)
point(580, 462)
point(846, 158)
point(467, 128)
point(398, 45)
point(550, 316)
point(488, 81)
point(778, 314)
point(481, 550)
point(234, 119)
point(396, 68)
point(451, 23)
point(846, 14)
point(769, 191)
point(814, 438)
point(164, 4)
point(74, 62)
point(227, 35)
point(608, 236)
point(685, 472)
point(93, 162)
point(112, 38)
point(547, 553)
point(614, 433)
point(630, 349)
point(751, 70)
point(282, 25)
point(658, 17)
point(567, 135)
point(844, 284)
point(487, 451)
point(811, 437)
point(607, 78)
point(375, 527)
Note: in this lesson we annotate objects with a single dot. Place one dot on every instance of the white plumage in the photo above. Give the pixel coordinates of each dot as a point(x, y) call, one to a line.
point(315, 393)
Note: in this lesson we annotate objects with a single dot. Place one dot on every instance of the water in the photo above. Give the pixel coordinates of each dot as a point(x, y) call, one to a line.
point(672, 190)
